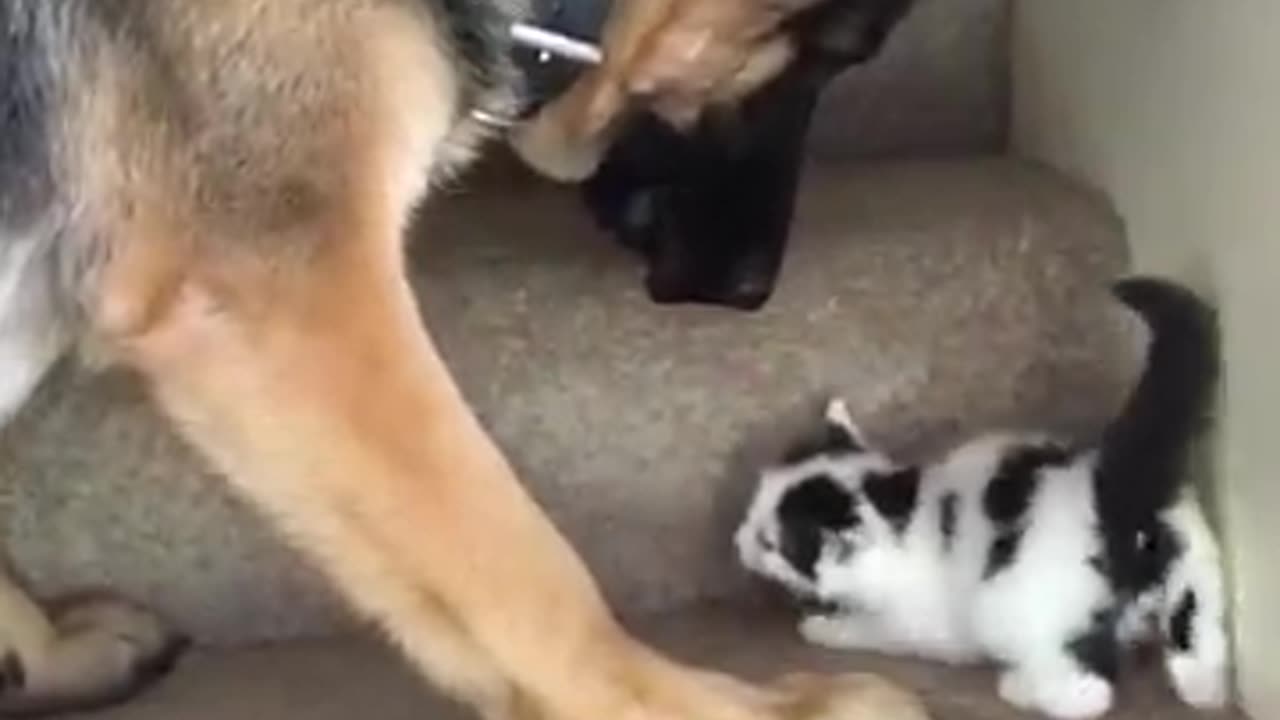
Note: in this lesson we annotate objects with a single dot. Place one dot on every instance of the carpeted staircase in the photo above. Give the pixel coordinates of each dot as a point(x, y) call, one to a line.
point(942, 287)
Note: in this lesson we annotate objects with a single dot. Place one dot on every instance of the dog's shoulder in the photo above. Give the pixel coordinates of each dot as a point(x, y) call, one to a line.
point(233, 111)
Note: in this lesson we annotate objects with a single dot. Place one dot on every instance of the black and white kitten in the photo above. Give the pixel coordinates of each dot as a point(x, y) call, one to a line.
point(1016, 548)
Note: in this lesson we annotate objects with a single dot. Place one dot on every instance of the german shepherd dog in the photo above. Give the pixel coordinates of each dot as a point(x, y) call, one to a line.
point(213, 194)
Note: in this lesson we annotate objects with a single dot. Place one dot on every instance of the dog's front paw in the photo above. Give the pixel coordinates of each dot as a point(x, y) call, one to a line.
point(805, 696)
point(101, 650)
point(676, 692)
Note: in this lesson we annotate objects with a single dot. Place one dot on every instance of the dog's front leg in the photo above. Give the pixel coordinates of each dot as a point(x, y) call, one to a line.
point(319, 394)
point(314, 387)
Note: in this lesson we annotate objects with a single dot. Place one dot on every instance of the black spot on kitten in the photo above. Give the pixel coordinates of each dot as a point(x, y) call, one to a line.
point(1002, 552)
point(1008, 498)
point(1156, 545)
point(894, 495)
point(818, 499)
point(1009, 493)
point(1097, 649)
point(948, 519)
point(1180, 623)
point(810, 508)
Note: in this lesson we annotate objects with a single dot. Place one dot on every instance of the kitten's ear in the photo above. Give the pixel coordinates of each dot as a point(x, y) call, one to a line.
point(841, 432)
point(839, 436)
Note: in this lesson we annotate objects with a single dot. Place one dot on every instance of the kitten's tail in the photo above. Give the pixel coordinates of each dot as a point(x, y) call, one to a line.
point(1144, 453)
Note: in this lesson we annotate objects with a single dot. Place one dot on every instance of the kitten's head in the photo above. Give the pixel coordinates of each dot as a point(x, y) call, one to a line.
point(827, 502)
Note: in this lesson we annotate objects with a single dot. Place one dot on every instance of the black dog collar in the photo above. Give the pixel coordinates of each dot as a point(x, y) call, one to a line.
point(549, 50)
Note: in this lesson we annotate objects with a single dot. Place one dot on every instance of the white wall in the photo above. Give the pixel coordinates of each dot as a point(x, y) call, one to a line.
point(1172, 107)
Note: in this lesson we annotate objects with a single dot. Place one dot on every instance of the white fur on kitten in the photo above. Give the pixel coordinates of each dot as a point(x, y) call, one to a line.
point(926, 586)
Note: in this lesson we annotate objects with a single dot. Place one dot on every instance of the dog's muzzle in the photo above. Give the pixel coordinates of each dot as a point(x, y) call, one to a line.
point(710, 210)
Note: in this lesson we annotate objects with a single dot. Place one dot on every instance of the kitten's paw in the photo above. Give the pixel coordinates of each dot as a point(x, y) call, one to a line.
point(1200, 684)
point(819, 630)
point(1015, 689)
point(1079, 696)
point(841, 631)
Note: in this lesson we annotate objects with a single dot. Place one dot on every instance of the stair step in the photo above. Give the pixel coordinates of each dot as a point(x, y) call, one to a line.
point(343, 679)
point(940, 296)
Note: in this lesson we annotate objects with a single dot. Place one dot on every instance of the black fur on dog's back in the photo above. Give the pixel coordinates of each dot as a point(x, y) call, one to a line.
point(1144, 454)
point(26, 104)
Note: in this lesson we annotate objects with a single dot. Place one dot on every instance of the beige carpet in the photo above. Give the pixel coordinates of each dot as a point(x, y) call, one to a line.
point(941, 297)
point(354, 680)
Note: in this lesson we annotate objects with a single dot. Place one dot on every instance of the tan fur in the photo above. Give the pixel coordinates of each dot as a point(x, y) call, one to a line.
point(248, 237)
